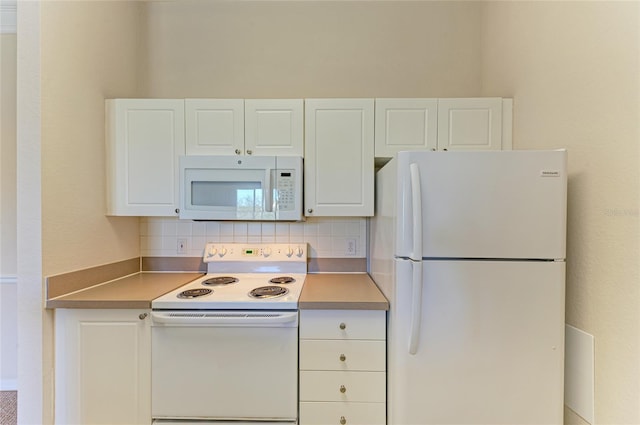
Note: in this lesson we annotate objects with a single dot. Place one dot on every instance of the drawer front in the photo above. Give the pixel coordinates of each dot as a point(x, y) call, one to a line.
point(342, 355)
point(342, 413)
point(343, 324)
point(343, 386)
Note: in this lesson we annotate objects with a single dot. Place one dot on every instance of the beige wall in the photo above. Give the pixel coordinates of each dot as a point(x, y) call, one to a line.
point(8, 263)
point(71, 56)
point(573, 70)
point(8, 155)
point(313, 49)
point(89, 53)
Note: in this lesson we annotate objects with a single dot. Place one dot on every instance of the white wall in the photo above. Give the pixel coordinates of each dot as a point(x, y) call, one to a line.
point(573, 70)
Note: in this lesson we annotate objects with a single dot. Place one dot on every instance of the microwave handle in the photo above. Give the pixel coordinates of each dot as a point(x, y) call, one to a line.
point(268, 191)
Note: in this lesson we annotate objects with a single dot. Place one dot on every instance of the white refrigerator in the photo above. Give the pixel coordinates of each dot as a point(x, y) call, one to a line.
point(469, 248)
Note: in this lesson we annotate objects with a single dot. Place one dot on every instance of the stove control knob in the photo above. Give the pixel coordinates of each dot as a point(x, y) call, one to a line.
point(289, 252)
point(299, 251)
point(223, 252)
point(212, 251)
point(266, 252)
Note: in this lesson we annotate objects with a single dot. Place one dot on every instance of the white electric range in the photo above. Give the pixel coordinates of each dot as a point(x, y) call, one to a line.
point(225, 346)
point(243, 276)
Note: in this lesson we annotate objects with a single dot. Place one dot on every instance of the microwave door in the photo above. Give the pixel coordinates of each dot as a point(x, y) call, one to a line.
point(228, 193)
point(241, 188)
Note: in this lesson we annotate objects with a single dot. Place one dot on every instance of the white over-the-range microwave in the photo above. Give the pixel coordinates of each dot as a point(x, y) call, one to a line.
point(261, 188)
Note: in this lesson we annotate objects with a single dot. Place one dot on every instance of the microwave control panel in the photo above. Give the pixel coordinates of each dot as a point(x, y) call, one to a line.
point(285, 185)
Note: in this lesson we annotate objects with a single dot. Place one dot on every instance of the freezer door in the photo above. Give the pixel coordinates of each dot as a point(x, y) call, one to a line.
point(501, 204)
point(490, 348)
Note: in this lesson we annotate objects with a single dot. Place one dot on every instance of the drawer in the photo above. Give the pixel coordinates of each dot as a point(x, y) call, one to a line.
point(342, 386)
point(345, 355)
point(342, 413)
point(343, 324)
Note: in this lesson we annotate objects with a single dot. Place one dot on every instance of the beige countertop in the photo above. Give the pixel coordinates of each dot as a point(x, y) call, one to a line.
point(321, 291)
point(133, 291)
point(342, 291)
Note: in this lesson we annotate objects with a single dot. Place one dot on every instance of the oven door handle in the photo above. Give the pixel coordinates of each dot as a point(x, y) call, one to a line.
point(225, 318)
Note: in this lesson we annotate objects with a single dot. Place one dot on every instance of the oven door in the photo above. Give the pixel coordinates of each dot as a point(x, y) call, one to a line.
point(224, 366)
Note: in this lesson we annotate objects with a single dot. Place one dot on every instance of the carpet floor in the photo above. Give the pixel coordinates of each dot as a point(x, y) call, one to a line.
point(8, 407)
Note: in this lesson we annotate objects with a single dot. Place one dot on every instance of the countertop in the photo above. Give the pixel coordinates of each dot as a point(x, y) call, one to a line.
point(133, 291)
point(341, 291)
point(321, 291)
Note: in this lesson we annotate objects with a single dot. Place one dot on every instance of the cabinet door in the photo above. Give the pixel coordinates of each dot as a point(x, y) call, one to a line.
point(470, 124)
point(214, 126)
point(274, 127)
point(145, 137)
point(405, 124)
point(339, 157)
point(102, 367)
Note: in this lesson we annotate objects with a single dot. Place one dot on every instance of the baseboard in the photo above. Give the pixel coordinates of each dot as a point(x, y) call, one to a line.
point(8, 385)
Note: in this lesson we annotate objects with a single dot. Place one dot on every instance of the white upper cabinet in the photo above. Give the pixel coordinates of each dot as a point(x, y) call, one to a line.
point(144, 139)
point(214, 126)
point(339, 167)
point(442, 124)
point(244, 127)
point(274, 126)
point(474, 124)
point(405, 124)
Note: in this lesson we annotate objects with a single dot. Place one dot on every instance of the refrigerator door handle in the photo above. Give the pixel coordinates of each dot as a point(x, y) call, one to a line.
point(416, 201)
point(416, 306)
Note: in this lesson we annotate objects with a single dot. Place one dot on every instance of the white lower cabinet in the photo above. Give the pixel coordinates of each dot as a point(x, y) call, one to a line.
point(102, 367)
point(342, 367)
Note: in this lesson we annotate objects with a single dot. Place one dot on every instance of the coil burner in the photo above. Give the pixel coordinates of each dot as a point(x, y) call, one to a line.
point(220, 281)
point(194, 293)
point(282, 280)
point(268, 292)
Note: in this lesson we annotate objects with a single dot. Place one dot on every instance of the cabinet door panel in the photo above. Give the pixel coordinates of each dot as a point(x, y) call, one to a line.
point(145, 137)
point(339, 157)
point(405, 124)
point(214, 126)
point(103, 360)
point(473, 124)
point(274, 127)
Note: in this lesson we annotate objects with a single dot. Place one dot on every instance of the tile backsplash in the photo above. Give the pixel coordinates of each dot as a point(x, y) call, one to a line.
point(327, 237)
